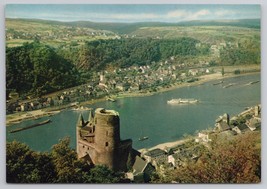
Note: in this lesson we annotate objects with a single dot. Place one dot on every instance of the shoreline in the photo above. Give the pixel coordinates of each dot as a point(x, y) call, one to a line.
point(165, 145)
point(173, 144)
point(36, 114)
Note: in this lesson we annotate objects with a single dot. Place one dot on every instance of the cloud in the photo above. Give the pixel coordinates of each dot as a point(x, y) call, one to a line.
point(132, 16)
point(177, 13)
point(171, 15)
point(174, 15)
point(224, 12)
point(187, 15)
point(199, 14)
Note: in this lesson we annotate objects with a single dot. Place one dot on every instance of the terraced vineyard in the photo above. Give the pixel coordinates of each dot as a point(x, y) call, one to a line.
point(206, 34)
point(19, 31)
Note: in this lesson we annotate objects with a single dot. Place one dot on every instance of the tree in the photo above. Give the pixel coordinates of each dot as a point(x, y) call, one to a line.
point(102, 174)
point(37, 68)
point(58, 166)
point(234, 161)
point(68, 168)
point(222, 71)
point(25, 166)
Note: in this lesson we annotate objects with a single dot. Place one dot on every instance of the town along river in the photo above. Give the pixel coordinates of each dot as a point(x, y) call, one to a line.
point(151, 115)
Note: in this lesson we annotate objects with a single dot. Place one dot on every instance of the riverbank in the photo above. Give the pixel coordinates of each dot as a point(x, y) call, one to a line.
point(201, 80)
point(22, 116)
point(163, 146)
point(244, 115)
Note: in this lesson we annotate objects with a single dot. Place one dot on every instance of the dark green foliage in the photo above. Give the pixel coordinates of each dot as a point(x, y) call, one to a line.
point(222, 71)
point(246, 53)
point(36, 68)
point(26, 166)
point(96, 55)
point(58, 166)
point(237, 72)
point(101, 174)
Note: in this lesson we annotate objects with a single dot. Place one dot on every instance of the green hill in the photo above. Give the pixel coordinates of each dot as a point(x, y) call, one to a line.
point(125, 28)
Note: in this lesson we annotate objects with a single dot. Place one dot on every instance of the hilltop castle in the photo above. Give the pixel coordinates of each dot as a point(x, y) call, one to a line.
point(98, 140)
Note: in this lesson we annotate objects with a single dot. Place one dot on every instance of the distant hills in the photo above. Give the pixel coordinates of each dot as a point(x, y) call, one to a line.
point(126, 28)
point(249, 23)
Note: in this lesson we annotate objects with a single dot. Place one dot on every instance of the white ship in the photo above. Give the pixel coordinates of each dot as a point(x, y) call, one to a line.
point(182, 101)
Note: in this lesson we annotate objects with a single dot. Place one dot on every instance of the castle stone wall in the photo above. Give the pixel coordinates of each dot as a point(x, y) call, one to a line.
point(107, 148)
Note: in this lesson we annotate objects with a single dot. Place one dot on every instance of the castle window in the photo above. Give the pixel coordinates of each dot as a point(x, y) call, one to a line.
point(106, 133)
point(106, 143)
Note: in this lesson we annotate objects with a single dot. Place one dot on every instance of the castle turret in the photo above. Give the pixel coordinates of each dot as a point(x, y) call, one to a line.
point(107, 136)
point(100, 139)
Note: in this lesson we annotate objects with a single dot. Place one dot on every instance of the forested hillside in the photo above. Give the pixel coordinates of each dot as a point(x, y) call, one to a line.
point(38, 69)
point(123, 53)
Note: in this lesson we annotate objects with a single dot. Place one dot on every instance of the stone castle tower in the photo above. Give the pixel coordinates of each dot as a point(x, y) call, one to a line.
point(98, 140)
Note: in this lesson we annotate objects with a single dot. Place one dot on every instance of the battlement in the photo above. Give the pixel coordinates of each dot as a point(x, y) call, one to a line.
point(104, 112)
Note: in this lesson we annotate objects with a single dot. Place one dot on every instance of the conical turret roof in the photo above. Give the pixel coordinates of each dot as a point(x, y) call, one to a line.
point(80, 122)
point(91, 116)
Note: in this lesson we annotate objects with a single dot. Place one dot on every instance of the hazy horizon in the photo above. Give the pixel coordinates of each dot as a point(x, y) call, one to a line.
point(132, 13)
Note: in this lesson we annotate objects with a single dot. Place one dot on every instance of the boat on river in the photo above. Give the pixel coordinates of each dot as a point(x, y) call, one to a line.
point(220, 82)
point(253, 82)
point(182, 101)
point(143, 138)
point(111, 99)
point(229, 85)
point(31, 126)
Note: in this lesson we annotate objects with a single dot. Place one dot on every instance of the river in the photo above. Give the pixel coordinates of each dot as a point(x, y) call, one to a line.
point(151, 115)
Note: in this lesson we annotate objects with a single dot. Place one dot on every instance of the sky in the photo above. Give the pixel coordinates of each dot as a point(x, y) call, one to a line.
point(131, 13)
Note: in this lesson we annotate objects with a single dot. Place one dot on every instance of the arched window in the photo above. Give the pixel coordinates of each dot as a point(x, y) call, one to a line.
point(106, 143)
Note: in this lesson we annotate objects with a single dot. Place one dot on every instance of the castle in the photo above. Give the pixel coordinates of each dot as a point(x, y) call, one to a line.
point(98, 140)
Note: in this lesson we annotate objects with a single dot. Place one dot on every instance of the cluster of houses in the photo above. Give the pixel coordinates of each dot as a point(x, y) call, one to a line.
point(249, 120)
point(150, 77)
point(141, 79)
point(65, 33)
point(162, 160)
point(216, 48)
point(67, 97)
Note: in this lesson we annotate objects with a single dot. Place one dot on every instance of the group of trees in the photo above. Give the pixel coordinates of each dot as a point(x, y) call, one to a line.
point(58, 166)
point(236, 160)
point(96, 55)
point(38, 69)
point(248, 52)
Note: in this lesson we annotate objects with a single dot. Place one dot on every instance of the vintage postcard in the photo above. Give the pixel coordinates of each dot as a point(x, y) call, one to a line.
point(136, 93)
